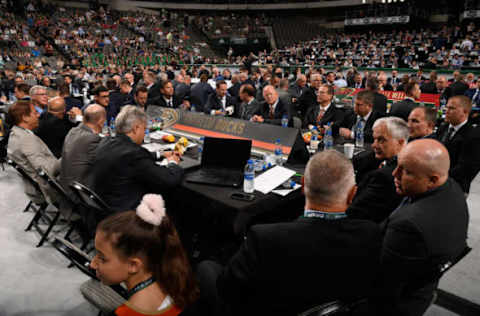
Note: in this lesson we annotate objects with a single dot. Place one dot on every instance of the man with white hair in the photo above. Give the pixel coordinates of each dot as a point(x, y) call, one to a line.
point(376, 197)
point(39, 97)
point(425, 232)
point(124, 171)
point(306, 262)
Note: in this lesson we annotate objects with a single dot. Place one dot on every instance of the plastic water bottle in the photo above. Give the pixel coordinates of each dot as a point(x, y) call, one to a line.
point(359, 141)
point(248, 178)
point(285, 121)
point(200, 147)
point(278, 153)
point(112, 128)
point(328, 139)
point(192, 108)
point(147, 138)
point(105, 130)
point(314, 140)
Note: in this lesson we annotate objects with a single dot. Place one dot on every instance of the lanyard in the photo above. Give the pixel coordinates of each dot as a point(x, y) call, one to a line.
point(324, 215)
point(140, 286)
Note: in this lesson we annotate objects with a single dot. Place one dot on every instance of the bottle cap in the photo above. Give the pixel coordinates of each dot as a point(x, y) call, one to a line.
point(250, 161)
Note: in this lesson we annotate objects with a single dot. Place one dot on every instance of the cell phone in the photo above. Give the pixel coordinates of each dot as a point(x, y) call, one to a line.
point(242, 196)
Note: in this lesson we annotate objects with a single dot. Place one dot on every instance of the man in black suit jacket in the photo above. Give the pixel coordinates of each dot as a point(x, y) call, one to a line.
point(152, 87)
point(426, 231)
point(321, 247)
point(421, 123)
point(459, 87)
point(70, 102)
point(325, 112)
point(474, 94)
point(273, 110)
point(167, 98)
point(429, 86)
point(357, 82)
point(249, 105)
point(54, 125)
point(462, 140)
point(309, 97)
point(376, 197)
point(380, 101)
point(220, 103)
point(362, 112)
point(200, 92)
point(123, 171)
point(443, 89)
point(383, 83)
point(403, 108)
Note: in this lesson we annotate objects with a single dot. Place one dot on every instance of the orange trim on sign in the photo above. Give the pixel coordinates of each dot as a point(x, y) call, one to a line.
point(204, 132)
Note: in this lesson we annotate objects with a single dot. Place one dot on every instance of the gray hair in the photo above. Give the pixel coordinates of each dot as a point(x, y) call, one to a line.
point(328, 178)
point(396, 127)
point(128, 117)
point(34, 89)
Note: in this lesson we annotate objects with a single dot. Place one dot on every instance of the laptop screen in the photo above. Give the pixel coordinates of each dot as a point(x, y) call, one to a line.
point(226, 153)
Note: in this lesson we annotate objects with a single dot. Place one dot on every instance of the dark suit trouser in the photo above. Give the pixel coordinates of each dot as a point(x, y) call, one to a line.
point(207, 274)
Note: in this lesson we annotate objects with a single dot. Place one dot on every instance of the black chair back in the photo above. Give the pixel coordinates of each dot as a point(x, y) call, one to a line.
point(89, 198)
point(57, 187)
point(334, 308)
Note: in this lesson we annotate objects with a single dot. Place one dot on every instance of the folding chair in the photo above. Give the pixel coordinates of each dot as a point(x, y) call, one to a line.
point(40, 210)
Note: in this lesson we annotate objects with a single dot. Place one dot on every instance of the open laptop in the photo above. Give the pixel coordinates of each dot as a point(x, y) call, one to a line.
point(223, 161)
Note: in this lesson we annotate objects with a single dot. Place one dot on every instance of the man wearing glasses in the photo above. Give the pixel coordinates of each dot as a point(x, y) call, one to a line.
point(102, 97)
point(39, 97)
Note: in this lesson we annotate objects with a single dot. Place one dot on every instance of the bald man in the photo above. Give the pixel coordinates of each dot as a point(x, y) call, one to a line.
point(54, 125)
point(78, 151)
point(273, 109)
point(428, 229)
point(442, 88)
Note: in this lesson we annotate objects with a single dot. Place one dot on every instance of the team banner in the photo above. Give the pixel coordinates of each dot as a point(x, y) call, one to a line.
point(471, 14)
point(402, 19)
point(346, 95)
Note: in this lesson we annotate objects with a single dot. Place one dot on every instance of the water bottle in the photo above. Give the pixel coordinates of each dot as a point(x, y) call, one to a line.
point(359, 134)
point(249, 176)
point(314, 140)
point(328, 139)
point(200, 147)
point(285, 121)
point(192, 108)
point(278, 153)
point(112, 128)
point(105, 129)
point(147, 138)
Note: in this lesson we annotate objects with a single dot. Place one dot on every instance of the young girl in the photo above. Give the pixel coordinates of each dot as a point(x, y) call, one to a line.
point(143, 250)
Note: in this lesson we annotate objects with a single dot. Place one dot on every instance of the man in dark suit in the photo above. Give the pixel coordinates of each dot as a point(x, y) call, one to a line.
point(426, 231)
point(394, 80)
point(182, 90)
point(443, 89)
point(200, 92)
point(234, 90)
point(362, 112)
point(421, 123)
point(383, 83)
point(220, 103)
point(462, 140)
point(380, 101)
point(376, 197)
point(298, 88)
point(324, 240)
point(126, 92)
point(167, 98)
point(273, 110)
point(309, 97)
point(474, 94)
point(152, 87)
point(249, 105)
point(403, 108)
point(357, 82)
point(326, 111)
point(459, 87)
point(70, 102)
point(55, 124)
point(429, 86)
point(123, 171)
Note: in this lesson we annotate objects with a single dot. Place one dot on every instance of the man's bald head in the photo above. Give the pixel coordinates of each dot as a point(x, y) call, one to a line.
point(423, 165)
point(56, 106)
point(270, 94)
point(94, 114)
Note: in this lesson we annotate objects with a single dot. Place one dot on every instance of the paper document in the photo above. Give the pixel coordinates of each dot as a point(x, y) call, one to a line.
point(272, 178)
point(158, 147)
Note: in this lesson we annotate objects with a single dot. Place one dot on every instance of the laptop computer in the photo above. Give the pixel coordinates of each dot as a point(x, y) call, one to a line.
point(223, 161)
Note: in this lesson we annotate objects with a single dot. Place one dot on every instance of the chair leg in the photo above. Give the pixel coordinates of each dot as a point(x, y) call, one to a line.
point(28, 207)
point(37, 216)
point(70, 231)
point(45, 235)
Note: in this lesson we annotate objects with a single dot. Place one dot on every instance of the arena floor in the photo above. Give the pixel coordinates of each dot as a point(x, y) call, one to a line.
point(36, 281)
